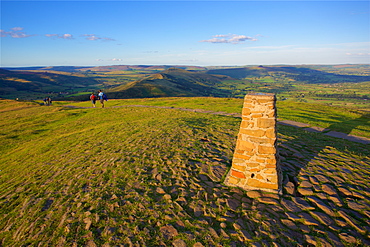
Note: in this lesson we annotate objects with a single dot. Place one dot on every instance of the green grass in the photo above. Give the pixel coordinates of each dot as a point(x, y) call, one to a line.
point(62, 168)
point(341, 119)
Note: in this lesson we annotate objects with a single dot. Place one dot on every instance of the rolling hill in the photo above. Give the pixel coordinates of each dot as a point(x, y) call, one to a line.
point(172, 82)
point(31, 84)
point(302, 74)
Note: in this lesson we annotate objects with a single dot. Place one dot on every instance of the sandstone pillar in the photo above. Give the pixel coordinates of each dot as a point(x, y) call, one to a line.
point(255, 165)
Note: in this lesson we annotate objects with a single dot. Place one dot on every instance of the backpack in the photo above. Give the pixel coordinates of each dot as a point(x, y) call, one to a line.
point(105, 97)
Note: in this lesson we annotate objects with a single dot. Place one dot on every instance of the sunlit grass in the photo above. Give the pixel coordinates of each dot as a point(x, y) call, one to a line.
point(342, 119)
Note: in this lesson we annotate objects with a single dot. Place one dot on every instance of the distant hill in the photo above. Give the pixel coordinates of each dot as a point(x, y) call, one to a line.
point(139, 67)
point(303, 74)
point(173, 82)
point(26, 84)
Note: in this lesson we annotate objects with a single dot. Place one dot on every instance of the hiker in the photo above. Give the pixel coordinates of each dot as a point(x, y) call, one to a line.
point(45, 101)
point(49, 101)
point(93, 99)
point(102, 97)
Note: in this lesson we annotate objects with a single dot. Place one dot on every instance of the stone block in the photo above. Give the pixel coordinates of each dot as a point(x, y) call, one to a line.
point(233, 180)
point(256, 115)
point(246, 111)
point(246, 124)
point(253, 132)
point(266, 150)
point(245, 145)
point(265, 122)
point(242, 155)
point(272, 178)
point(259, 184)
point(262, 140)
point(241, 168)
point(237, 174)
point(270, 166)
point(269, 170)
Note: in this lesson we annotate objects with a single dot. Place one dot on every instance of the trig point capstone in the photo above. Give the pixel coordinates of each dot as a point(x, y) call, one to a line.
point(255, 165)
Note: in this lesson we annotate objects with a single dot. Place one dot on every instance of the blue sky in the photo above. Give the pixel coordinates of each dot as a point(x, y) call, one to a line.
point(205, 33)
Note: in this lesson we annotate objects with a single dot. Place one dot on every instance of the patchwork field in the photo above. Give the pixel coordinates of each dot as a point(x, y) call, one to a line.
point(130, 175)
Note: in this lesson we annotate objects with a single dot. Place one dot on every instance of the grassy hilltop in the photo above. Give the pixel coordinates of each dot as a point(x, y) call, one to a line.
point(143, 176)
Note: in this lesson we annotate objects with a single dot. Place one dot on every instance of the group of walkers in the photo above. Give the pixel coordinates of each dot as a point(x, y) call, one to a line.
point(100, 96)
point(47, 101)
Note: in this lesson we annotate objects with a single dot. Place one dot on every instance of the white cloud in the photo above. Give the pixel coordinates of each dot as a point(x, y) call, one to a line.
point(116, 59)
point(229, 38)
point(60, 36)
point(95, 37)
point(17, 28)
point(357, 54)
point(15, 33)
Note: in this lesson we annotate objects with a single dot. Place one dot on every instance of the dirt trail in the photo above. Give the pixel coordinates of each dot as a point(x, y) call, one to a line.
point(305, 126)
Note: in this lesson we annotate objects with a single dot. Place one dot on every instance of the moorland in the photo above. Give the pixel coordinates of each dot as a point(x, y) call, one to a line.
point(149, 171)
point(341, 85)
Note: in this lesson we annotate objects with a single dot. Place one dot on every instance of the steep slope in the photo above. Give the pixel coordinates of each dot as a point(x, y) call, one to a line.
point(173, 82)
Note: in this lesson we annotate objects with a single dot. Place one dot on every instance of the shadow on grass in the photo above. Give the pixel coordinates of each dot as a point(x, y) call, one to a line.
point(302, 150)
point(348, 125)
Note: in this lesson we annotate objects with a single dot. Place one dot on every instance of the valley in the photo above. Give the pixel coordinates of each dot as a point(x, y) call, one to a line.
point(340, 85)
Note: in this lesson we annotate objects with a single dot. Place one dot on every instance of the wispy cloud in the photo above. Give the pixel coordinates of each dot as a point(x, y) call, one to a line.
point(229, 39)
point(60, 36)
point(113, 59)
point(15, 32)
point(357, 54)
point(96, 37)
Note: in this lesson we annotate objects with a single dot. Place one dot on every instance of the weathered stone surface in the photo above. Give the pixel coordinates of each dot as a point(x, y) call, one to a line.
point(289, 224)
point(321, 205)
point(322, 179)
point(159, 190)
point(290, 206)
point(305, 184)
point(308, 219)
point(168, 231)
point(218, 171)
point(179, 243)
point(292, 216)
point(327, 188)
point(233, 204)
point(303, 204)
point(324, 218)
point(345, 191)
point(290, 188)
point(356, 206)
point(90, 243)
point(311, 240)
point(268, 200)
point(246, 235)
point(352, 222)
point(347, 238)
point(254, 194)
point(305, 191)
point(314, 180)
point(335, 239)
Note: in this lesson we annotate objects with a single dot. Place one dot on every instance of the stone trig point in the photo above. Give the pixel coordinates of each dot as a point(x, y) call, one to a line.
point(255, 165)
